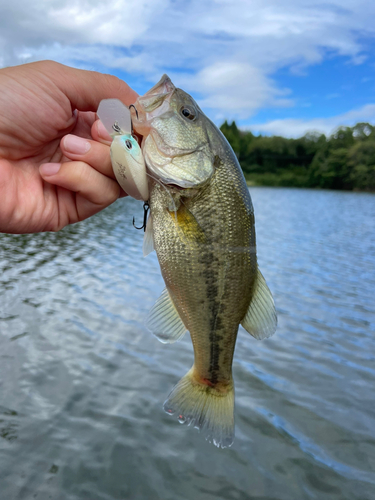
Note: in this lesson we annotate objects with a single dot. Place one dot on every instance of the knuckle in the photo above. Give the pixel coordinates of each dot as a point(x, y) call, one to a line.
point(120, 88)
point(48, 66)
point(99, 189)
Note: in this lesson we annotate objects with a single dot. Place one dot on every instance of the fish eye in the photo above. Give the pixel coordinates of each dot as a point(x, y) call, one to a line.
point(128, 144)
point(188, 112)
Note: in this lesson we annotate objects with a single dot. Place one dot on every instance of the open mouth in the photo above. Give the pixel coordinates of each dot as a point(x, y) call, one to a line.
point(156, 96)
point(151, 105)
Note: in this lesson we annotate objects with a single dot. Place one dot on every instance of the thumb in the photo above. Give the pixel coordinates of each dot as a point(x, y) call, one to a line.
point(85, 89)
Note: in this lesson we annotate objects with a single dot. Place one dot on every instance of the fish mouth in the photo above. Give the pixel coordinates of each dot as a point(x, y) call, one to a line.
point(166, 149)
point(168, 163)
point(154, 103)
point(157, 95)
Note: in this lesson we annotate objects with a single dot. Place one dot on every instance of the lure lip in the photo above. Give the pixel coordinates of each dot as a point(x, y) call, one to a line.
point(115, 116)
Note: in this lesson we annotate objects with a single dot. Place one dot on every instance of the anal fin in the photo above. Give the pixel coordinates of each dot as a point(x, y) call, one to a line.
point(164, 321)
point(260, 320)
point(148, 239)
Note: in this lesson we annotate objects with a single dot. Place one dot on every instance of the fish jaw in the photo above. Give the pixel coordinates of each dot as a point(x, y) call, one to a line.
point(152, 104)
point(188, 169)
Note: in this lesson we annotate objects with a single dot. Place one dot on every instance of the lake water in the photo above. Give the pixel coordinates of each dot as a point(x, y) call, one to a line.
point(82, 381)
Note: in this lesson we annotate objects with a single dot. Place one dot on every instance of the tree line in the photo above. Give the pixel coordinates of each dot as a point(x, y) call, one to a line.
point(345, 160)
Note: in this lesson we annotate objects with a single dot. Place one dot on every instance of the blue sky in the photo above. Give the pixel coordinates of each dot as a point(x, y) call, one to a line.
point(275, 67)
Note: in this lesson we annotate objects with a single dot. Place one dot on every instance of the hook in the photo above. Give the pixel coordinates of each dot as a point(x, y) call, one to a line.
point(136, 112)
point(146, 208)
point(135, 109)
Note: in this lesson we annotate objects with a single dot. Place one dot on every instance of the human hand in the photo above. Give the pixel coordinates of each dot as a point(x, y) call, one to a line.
point(49, 178)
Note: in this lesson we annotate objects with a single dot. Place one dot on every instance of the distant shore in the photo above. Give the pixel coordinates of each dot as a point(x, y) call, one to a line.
point(344, 161)
point(252, 183)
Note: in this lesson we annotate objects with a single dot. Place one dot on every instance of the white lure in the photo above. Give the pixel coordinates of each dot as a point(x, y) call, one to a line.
point(126, 155)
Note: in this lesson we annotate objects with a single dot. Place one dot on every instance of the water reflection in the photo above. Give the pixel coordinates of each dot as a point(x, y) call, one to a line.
point(82, 381)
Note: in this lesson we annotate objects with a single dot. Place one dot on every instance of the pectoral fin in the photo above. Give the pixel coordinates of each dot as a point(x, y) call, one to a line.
point(164, 321)
point(261, 320)
point(188, 226)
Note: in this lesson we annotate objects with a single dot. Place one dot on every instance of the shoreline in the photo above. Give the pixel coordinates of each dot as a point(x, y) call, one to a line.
point(251, 183)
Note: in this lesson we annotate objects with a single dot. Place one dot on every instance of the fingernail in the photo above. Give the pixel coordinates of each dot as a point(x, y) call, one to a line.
point(76, 145)
point(49, 168)
point(102, 132)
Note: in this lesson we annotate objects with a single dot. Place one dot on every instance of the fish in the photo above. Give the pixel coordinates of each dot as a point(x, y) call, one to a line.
point(202, 226)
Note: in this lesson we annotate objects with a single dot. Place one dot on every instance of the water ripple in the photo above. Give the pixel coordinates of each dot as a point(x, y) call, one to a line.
point(82, 381)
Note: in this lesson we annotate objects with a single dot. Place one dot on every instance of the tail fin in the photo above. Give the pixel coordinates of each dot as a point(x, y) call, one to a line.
point(209, 409)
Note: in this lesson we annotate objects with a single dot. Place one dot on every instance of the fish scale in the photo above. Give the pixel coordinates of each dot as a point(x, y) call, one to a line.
point(185, 265)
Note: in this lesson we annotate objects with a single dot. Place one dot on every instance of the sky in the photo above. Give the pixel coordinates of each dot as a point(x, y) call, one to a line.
point(283, 68)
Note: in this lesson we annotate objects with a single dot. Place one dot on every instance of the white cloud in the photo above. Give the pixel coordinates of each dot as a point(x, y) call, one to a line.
point(235, 88)
point(225, 50)
point(72, 22)
point(290, 127)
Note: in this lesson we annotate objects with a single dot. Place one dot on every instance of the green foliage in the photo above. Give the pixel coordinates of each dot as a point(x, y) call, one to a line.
point(345, 160)
point(361, 165)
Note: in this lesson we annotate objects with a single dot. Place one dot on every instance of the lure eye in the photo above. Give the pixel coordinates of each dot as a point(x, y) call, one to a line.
point(128, 144)
point(188, 113)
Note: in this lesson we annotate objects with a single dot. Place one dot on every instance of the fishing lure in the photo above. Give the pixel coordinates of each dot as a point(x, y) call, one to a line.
point(126, 155)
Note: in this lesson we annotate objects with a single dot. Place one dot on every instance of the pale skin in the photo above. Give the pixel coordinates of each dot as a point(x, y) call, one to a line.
point(55, 167)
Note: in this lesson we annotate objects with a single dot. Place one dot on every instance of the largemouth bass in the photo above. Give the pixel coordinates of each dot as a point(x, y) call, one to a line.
point(202, 228)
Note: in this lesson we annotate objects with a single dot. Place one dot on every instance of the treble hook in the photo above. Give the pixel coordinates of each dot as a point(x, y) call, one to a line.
point(146, 208)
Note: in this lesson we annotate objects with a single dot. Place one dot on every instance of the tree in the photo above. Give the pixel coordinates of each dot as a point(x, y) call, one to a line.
point(345, 160)
point(361, 163)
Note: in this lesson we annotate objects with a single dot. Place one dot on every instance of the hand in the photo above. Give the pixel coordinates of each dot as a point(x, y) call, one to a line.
point(49, 178)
